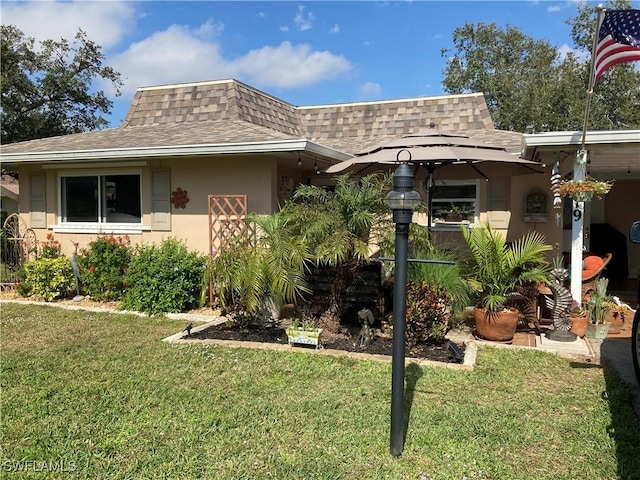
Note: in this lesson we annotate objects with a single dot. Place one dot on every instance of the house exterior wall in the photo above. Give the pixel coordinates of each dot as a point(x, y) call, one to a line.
point(621, 209)
point(507, 215)
point(254, 176)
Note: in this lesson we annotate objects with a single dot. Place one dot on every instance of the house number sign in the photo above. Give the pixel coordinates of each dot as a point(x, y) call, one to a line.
point(577, 214)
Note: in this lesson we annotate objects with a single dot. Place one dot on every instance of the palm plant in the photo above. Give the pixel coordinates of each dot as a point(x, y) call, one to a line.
point(248, 274)
point(336, 225)
point(500, 269)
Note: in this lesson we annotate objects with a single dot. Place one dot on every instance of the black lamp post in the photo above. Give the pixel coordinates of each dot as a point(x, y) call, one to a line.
point(402, 200)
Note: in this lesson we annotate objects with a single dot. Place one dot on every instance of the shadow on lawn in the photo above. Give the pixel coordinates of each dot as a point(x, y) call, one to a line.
point(413, 373)
point(620, 394)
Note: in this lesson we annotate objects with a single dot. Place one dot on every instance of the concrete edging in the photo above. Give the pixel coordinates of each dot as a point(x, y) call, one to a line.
point(471, 349)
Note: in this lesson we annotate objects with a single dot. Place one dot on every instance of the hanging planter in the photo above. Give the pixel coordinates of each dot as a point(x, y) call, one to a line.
point(584, 190)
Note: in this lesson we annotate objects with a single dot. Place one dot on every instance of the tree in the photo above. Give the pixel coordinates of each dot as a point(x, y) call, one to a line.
point(48, 91)
point(529, 86)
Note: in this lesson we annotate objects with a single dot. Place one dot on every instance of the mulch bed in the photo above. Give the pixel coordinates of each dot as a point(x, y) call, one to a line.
point(345, 341)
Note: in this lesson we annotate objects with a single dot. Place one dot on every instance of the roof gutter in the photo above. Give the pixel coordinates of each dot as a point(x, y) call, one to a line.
point(594, 137)
point(176, 151)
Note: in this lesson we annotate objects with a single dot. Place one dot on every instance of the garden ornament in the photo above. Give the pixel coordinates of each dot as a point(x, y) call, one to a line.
point(76, 273)
point(559, 306)
point(188, 329)
point(366, 334)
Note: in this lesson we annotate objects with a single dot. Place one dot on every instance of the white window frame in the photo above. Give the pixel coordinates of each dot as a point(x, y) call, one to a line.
point(99, 226)
point(448, 225)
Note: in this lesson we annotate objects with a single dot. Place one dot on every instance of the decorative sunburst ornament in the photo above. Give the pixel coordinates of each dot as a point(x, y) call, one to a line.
point(179, 198)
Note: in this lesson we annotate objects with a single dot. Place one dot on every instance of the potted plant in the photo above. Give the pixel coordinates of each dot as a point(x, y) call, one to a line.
point(455, 213)
point(304, 331)
point(498, 271)
point(584, 190)
point(598, 306)
point(616, 315)
point(579, 319)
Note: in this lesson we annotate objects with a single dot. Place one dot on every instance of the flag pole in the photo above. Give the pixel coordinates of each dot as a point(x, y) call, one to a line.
point(579, 173)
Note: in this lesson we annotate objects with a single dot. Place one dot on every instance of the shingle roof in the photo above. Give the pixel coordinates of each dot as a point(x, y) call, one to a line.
point(228, 111)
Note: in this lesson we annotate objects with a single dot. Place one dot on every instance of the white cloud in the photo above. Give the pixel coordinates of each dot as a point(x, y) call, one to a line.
point(177, 54)
point(183, 54)
point(335, 29)
point(581, 55)
point(106, 23)
point(288, 66)
point(558, 7)
point(564, 50)
point(369, 90)
point(303, 21)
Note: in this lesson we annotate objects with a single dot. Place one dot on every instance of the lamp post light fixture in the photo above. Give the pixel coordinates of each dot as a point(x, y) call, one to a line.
point(402, 200)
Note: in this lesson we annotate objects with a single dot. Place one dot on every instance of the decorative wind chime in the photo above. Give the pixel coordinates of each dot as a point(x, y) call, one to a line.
point(556, 178)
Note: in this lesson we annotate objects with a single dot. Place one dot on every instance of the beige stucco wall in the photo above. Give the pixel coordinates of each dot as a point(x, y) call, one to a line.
point(254, 176)
point(522, 185)
point(510, 222)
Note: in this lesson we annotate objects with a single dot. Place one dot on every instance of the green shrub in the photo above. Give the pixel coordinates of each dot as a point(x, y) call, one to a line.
point(47, 278)
point(428, 313)
point(103, 265)
point(163, 278)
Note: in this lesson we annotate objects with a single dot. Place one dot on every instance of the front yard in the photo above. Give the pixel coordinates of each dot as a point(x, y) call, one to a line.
point(100, 396)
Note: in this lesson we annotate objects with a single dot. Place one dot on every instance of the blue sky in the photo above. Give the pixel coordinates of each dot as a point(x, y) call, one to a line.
point(303, 52)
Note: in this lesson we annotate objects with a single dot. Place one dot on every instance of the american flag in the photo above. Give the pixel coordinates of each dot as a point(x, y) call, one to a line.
point(618, 40)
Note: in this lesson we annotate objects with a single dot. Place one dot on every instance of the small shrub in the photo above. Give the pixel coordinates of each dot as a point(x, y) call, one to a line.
point(163, 278)
point(428, 313)
point(103, 265)
point(47, 278)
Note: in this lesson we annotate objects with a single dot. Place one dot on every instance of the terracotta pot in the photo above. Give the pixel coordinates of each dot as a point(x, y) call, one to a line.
point(498, 327)
point(579, 326)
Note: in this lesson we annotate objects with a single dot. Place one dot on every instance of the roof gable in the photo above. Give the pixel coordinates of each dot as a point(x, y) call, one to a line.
point(211, 101)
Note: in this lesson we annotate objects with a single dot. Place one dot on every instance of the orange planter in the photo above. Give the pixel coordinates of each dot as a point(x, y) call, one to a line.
point(497, 327)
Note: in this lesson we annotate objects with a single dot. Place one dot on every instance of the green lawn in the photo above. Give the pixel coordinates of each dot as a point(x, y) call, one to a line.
point(103, 397)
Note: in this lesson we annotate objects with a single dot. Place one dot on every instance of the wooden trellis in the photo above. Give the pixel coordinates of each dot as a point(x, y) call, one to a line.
point(227, 215)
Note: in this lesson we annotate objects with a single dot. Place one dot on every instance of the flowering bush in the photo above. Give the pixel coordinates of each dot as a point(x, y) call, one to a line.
point(50, 248)
point(584, 190)
point(103, 265)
